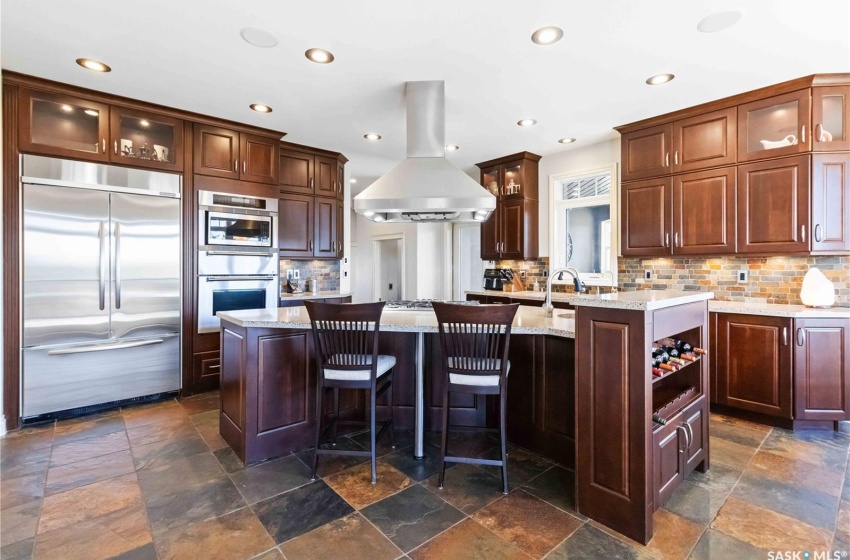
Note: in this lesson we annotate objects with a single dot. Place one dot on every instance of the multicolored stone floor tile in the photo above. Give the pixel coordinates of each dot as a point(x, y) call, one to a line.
point(158, 482)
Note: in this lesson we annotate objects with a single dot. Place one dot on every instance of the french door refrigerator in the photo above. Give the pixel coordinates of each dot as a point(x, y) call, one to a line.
point(101, 285)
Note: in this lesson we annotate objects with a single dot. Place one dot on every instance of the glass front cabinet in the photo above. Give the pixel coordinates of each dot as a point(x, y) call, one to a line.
point(773, 127)
point(70, 127)
point(830, 119)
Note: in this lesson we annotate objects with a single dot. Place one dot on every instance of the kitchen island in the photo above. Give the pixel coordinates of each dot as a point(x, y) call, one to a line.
point(579, 381)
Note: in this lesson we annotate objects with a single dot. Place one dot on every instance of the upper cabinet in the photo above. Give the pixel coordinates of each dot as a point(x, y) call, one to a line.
point(830, 118)
point(221, 152)
point(511, 230)
point(760, 173)
point(66, 126)
point(773, 127)
point(303, 172)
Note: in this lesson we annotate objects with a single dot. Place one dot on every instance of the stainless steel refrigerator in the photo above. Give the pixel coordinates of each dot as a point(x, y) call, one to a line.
point(101, 285)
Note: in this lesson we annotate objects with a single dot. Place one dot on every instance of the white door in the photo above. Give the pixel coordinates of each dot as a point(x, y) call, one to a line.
point(467, 263)
point(389, 270)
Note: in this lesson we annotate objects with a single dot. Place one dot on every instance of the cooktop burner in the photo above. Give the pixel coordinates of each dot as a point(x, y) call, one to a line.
point(415, 304)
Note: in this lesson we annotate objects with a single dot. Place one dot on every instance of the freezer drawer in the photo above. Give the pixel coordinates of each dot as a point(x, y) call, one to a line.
point(64, 377)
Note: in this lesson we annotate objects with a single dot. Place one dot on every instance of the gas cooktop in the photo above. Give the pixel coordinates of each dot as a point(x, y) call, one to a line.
point(421, 304)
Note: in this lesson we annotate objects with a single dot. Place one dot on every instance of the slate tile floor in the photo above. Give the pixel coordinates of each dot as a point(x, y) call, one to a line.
point(157, 481)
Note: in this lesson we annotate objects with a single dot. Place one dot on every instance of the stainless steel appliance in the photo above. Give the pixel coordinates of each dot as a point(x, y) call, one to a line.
point(237, 256)
point(101, 284)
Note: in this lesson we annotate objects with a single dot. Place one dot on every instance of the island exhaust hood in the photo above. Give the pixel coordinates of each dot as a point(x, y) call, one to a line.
point(425, 187)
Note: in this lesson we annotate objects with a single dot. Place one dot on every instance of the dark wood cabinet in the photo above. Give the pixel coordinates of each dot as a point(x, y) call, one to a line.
point(775, 126)
point(325, 173)
point(296, 172)
point(705, 141)
point(295, 228)
point(773, 206)
point(830, 227)
point(324, 228)
point(822, 369)
point(340, 179)
point(511, 230)
point(221, 152)
point(695, 420)
point(309, 172)
point(145, 139)
point(646, 209)
point(668, 445)
point(830, 118)
point(340, 230)
point(754, 361)
point(704, 212)
point(646, 152)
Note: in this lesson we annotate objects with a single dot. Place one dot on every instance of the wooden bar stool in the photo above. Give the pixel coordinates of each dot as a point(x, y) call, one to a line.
point(475, 340)
point(346, 339)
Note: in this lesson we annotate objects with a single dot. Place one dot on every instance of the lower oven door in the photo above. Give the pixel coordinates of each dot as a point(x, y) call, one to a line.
point(232, 293)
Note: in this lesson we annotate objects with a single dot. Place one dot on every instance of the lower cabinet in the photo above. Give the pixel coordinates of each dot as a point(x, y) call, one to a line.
point(678, 448)
point(821, 376)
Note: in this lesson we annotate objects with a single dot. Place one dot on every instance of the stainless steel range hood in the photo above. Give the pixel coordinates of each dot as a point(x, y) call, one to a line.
point(425, 187)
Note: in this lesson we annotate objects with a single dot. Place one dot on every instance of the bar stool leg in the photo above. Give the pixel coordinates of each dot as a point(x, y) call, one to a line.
point(319, 413)
point(372, 435)
point(503, 437)
point(336, 415)
point(390, 406)
point(445, 438)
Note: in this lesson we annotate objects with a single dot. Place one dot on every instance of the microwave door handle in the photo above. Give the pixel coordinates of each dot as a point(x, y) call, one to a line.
point(239, 278)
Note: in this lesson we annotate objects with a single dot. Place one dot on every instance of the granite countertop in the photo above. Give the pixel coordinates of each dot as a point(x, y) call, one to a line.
point(528, 320)
point(645, 300)
point(315, 295)
point(778, 310)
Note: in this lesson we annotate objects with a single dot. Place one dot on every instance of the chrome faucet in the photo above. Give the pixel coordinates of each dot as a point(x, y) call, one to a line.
point(547, 303)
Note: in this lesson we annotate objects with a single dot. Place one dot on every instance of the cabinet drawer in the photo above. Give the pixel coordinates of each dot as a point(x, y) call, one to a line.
point(671, 320)
point(206, 365)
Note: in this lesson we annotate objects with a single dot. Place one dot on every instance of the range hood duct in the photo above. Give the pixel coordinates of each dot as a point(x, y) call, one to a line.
point(425, 187)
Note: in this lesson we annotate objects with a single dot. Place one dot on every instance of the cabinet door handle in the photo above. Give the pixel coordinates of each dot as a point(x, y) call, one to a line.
point(803, 232)
point(103, 143)
point(666, 239)
point(801, 337)
point(667, 159)
point(819, 132)
point(803, 134)
point(784, 336)
point(676, 157)
point(311, 244)
point(235, 166)
point(676, 239)
point(311, 183)
point(243, 166)
point(115, 147)
point(333, 246)
point(817, 233)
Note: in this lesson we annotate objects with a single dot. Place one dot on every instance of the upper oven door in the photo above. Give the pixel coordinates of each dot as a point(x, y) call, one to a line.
point(247, 230)
point(232, 293)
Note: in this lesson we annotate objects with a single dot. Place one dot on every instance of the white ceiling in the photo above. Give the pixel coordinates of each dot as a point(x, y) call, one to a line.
point(188, 54)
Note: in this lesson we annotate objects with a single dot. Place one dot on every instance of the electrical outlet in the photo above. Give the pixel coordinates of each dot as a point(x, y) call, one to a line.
point(345, 274)
point(545, 273)
point(296, 274)
point(743, 276)
point(522, 273)
point(647, 275)
point(289, 274)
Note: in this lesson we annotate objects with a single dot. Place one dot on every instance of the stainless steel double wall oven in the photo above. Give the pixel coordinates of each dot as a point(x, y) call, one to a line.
point(237, 255)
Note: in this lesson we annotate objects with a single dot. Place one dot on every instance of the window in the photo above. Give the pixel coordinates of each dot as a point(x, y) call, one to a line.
point(583, 224)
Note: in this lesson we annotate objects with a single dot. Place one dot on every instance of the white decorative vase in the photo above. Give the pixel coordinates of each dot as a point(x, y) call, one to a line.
point(817, 290)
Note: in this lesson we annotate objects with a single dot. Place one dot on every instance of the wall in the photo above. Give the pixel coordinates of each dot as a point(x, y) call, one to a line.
point(325, 271)
point(771, 279)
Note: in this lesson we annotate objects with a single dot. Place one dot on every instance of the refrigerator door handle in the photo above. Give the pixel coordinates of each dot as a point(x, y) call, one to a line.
point(102, 272)
point(118, 265)
point(104, 347)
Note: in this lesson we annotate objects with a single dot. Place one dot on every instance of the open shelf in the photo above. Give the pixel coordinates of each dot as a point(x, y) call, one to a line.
point(669, 373)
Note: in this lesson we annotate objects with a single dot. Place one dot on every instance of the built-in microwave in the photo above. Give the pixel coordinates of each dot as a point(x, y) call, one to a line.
point(231, 220)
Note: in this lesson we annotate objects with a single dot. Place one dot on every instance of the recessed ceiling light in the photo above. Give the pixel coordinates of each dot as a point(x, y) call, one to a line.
point(452, 148)
point(260, 108)
point(320, 56)
point(354, 180)
point(659, 79)
point(527, 122)
point(91, 112)
point(258, 37)
point(718, 22)
point(67, 108)
point(372, 136)
point(567, 140)
point(90, 64)
point(547, 35)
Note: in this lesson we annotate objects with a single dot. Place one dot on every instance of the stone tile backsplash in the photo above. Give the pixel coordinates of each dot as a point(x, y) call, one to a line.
point(770, 279)
point(325, 271)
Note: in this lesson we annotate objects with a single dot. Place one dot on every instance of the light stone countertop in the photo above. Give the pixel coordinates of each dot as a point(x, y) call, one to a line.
point(315, 295)
point(778, 310)
point(643, 300)
point(528, 320)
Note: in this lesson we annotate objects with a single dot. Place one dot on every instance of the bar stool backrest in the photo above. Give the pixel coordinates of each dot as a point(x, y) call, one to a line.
point(346, 334)
point(475, 338)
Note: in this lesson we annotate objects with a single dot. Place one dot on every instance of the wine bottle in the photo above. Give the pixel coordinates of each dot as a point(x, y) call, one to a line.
point(659, 420)
point(678, 361)
point(657, 372)
point(696, 350)
point(668, 367)
point(671, 351)
point(680, 345)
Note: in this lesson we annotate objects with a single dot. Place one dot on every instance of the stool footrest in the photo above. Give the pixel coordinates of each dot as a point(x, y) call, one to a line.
point(472, 460)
